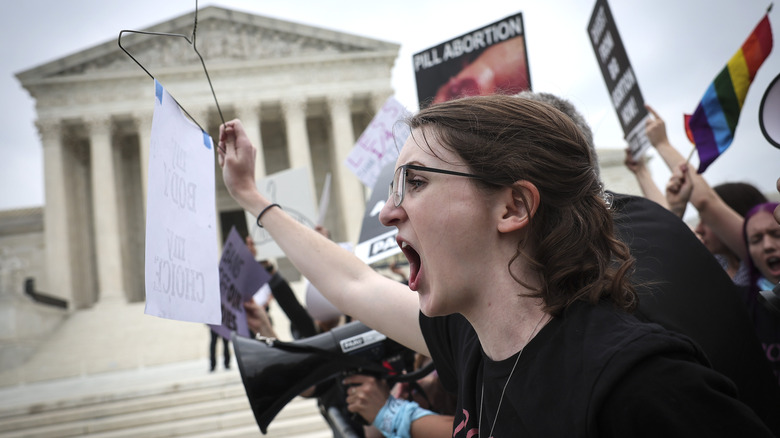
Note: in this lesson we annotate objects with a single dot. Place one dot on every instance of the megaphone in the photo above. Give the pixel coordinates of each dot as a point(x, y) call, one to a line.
point(275, 372)
point(769, 112)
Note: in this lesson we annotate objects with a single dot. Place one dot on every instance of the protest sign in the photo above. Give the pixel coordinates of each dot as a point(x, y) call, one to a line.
point(181, 224)
point(324, 201)
point(291, 189)
point(379, 143)
point(240, 277)
point(488, 60)
point(377, 241)
point(619, 77)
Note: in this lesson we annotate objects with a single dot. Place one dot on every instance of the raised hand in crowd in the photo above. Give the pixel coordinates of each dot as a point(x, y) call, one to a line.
point(645, 179)
point(713, 211)
point(678, 190)
point(777, 210)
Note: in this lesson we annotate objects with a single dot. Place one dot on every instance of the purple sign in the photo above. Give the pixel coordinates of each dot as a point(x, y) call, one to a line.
point(240, 277)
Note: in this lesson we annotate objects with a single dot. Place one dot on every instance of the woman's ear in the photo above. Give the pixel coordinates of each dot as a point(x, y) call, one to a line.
point(521, 203)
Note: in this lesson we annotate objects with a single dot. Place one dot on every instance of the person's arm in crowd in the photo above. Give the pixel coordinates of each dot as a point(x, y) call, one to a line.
point(434, 426)
point(645, 179)
point(678, 190)
point(395, 418)
point(721, 218)
point(257, 319)
point(299, 318)
point(352, 286)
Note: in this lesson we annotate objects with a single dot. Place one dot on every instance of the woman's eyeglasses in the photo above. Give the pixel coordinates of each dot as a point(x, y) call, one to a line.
point(398, 184)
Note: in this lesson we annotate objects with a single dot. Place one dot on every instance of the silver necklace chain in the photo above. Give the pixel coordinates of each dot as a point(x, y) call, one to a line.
point(503, 391)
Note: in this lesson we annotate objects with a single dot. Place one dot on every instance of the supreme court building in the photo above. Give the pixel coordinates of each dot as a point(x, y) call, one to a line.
point(304, 95)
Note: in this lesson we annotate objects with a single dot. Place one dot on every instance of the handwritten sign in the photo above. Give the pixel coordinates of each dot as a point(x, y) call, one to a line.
point(379, 143)
point(182, 281)
point(240, 277)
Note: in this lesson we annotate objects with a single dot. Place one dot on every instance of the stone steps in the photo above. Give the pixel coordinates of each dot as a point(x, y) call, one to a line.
point(209, 405)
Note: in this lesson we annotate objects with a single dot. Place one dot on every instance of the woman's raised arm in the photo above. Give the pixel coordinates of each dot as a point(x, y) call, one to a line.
point(347, 282)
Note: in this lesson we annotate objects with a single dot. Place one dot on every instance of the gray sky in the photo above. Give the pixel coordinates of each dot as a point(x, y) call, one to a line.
point(676, 48)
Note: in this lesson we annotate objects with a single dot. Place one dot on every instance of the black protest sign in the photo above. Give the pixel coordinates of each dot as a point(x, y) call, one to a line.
point(488, 60)
point(377, 241)
point(619, 76)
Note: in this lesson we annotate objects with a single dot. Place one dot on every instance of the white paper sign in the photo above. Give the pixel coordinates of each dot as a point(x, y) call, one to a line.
point(324, 200)
point(380, 143)
point(181, 266)
point(291, 189)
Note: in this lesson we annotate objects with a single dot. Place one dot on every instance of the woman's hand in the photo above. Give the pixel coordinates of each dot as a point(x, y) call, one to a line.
point(679, 189)
point(237, 160)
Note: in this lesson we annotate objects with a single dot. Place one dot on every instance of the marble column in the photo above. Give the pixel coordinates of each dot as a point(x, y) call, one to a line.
point(298, 151)
point(56, 229)
point(249, 114)
point(349, 187)
point(143, 124)
point(106, 221)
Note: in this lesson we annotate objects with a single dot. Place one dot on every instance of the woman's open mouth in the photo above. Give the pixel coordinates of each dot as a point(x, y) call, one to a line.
point(773, 263)
point(414, 263)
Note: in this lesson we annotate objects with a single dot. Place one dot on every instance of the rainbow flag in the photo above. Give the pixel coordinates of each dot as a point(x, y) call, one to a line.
point(711, 127)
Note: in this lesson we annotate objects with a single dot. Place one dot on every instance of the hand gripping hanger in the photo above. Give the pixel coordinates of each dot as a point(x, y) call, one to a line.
point(192, 43)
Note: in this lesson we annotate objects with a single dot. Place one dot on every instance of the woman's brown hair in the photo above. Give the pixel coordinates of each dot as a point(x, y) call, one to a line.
point(505, 139)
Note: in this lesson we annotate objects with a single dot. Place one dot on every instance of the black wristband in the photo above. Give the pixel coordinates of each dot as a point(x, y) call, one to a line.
point(263, 212)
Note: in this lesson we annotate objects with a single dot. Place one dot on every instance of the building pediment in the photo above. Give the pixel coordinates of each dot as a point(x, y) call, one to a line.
point(223, 36)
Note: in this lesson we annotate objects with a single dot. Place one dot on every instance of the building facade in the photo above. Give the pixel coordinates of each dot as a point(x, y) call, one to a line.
point(304, 95)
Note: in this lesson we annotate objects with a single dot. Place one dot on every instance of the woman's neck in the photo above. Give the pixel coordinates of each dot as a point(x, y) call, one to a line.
point(506, 327)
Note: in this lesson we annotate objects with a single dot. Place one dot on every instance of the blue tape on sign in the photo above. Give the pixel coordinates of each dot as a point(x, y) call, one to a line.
point(158, 91)
point(206, 140)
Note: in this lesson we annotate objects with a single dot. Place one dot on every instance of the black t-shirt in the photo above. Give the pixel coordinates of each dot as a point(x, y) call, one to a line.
point(682, 287)
point(767, 326)
point(594, 371)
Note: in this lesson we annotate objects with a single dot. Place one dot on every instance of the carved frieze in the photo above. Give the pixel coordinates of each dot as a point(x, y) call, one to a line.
point(217, 41)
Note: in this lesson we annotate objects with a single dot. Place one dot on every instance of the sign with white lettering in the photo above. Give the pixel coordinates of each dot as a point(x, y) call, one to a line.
point(619, 77)
point(182, 281)
point(377, 241)
point(240, 277)
point(489, 60)
point(380, 142)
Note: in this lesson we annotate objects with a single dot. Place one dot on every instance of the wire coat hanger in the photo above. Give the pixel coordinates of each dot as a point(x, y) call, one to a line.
point(189, 41)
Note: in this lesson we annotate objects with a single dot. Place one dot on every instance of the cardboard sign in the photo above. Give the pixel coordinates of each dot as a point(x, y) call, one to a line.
point(291, 189)
point(619, 77)
point(488, 60)
point(181, 222)
point(240, 277)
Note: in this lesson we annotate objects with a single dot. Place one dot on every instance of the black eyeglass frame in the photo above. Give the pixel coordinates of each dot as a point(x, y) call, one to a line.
point(398, 196)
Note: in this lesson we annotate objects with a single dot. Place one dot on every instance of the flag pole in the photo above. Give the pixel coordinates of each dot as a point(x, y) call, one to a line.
point(690, 155)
